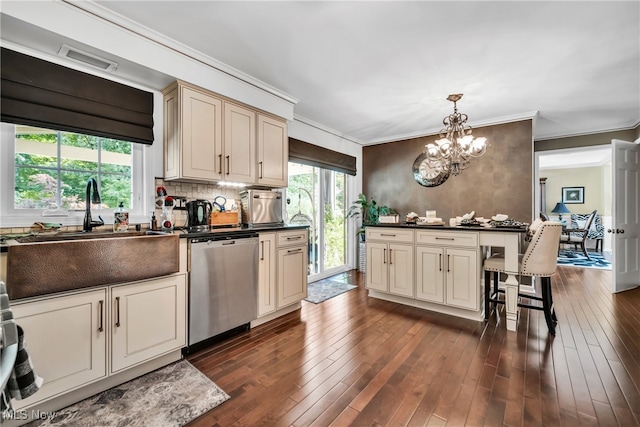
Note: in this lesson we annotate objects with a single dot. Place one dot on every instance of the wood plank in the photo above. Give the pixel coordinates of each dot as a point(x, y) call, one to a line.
point(354, 360)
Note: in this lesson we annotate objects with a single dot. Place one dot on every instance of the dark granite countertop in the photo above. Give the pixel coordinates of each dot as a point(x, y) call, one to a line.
point(449, 228)
point(234, 230)
point(204, 233)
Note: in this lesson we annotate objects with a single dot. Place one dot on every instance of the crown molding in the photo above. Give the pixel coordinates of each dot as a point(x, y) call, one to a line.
point(90, 7)
point(327, 129)
point(430, 132)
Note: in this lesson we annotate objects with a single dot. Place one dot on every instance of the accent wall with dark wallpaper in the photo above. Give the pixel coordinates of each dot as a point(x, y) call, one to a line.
point(501, 181)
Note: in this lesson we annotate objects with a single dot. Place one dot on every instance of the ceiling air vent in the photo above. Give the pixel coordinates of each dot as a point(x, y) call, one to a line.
point(77, 55)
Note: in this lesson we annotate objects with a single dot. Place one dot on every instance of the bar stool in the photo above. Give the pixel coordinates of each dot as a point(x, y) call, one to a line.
point(538, 260)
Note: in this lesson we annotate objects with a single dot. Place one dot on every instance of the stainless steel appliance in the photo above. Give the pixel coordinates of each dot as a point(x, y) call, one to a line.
point(223, 284)
point(198, 212)
point(261, 207)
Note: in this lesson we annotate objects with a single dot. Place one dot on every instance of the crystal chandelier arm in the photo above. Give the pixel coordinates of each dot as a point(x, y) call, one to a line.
point(456, 145)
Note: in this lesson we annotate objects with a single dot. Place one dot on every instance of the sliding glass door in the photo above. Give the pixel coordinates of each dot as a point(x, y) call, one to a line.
point(316, 197)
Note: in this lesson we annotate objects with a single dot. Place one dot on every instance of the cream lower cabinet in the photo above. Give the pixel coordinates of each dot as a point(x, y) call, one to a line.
point(447, 274)
point(148, 319)
point(267, 274)
point(282, 270)
point(292, 266)
point(433, 269)
point(68, 337)
point(390, 261)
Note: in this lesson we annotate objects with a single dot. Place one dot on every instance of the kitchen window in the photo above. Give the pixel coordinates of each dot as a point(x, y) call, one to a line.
point(48, 171)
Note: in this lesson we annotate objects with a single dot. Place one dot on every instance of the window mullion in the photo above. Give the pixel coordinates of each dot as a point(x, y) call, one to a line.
point(58, 170)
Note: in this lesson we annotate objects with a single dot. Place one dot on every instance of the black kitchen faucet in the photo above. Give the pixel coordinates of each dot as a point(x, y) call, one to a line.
point(88, 224)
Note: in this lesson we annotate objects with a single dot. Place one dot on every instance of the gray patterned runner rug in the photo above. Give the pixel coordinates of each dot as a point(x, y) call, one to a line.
point(322, 290)
point(170, 396)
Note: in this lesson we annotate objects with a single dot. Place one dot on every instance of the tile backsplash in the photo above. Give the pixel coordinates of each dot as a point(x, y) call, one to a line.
point(194, 191)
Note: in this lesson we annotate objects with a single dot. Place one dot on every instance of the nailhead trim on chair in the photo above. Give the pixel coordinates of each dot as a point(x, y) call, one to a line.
point(524, 262)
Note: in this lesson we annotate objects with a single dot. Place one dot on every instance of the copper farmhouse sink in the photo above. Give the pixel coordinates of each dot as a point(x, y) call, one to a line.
point(40, 265)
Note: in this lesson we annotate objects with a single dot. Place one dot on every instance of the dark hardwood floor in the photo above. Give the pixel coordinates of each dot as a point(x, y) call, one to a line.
point(355, 360)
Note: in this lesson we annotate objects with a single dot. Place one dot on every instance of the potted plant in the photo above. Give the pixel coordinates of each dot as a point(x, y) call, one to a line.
point(369, 211)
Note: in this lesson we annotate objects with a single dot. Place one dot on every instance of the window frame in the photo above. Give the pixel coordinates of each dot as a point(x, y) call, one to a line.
point(21, 218)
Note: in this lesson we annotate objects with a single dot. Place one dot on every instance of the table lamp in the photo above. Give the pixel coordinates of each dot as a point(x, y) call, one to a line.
point(560, 209)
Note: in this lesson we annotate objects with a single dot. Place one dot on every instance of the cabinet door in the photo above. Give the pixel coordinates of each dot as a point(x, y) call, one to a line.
point(292, 275)
point(377, 271)
point(430, 274)
point(148, 319)
point(239, 163)
point(462, 278)
point(273, 152)
point(172, 136)
point(66, 341)
point(201, 123)
point(267, 274)
point(401, 270)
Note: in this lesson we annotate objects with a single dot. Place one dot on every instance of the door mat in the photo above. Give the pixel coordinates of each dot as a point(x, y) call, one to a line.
point(577, 259)
point(170, 396)
point(323, 290)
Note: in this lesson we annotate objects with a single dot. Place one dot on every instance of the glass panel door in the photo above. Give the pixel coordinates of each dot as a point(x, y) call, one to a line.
point(316, 197)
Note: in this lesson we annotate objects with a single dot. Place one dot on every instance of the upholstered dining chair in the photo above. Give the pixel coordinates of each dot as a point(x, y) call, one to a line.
point(578, 236)
point(538, 260)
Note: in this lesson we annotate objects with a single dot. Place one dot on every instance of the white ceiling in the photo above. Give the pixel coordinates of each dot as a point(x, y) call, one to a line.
point(378, 71)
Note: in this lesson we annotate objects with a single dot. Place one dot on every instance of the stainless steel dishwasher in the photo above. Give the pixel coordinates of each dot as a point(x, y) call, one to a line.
point(223, 284)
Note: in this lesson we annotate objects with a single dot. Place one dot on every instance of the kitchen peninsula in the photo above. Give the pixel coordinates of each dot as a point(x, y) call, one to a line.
point(438, 268)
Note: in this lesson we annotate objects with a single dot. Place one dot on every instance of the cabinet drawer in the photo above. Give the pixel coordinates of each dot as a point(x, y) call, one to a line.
point(293, 237)
point(451, 238)
point(390, 234)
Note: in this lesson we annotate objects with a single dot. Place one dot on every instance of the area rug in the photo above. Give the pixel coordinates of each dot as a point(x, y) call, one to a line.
point(577, 259)
point(170, 396)
point(322, 290)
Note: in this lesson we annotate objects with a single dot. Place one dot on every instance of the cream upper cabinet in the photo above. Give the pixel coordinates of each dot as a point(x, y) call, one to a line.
point(267, 274)
point(210, 138)
point(193, 144)
point(66, 337)
point(237, 162)
point(147, 319)
point(273, 152)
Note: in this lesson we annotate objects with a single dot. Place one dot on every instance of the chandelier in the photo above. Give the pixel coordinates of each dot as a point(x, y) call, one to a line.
point(455, 146)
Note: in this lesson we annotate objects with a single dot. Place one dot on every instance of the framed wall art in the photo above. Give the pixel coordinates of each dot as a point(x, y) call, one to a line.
point(572, 195)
